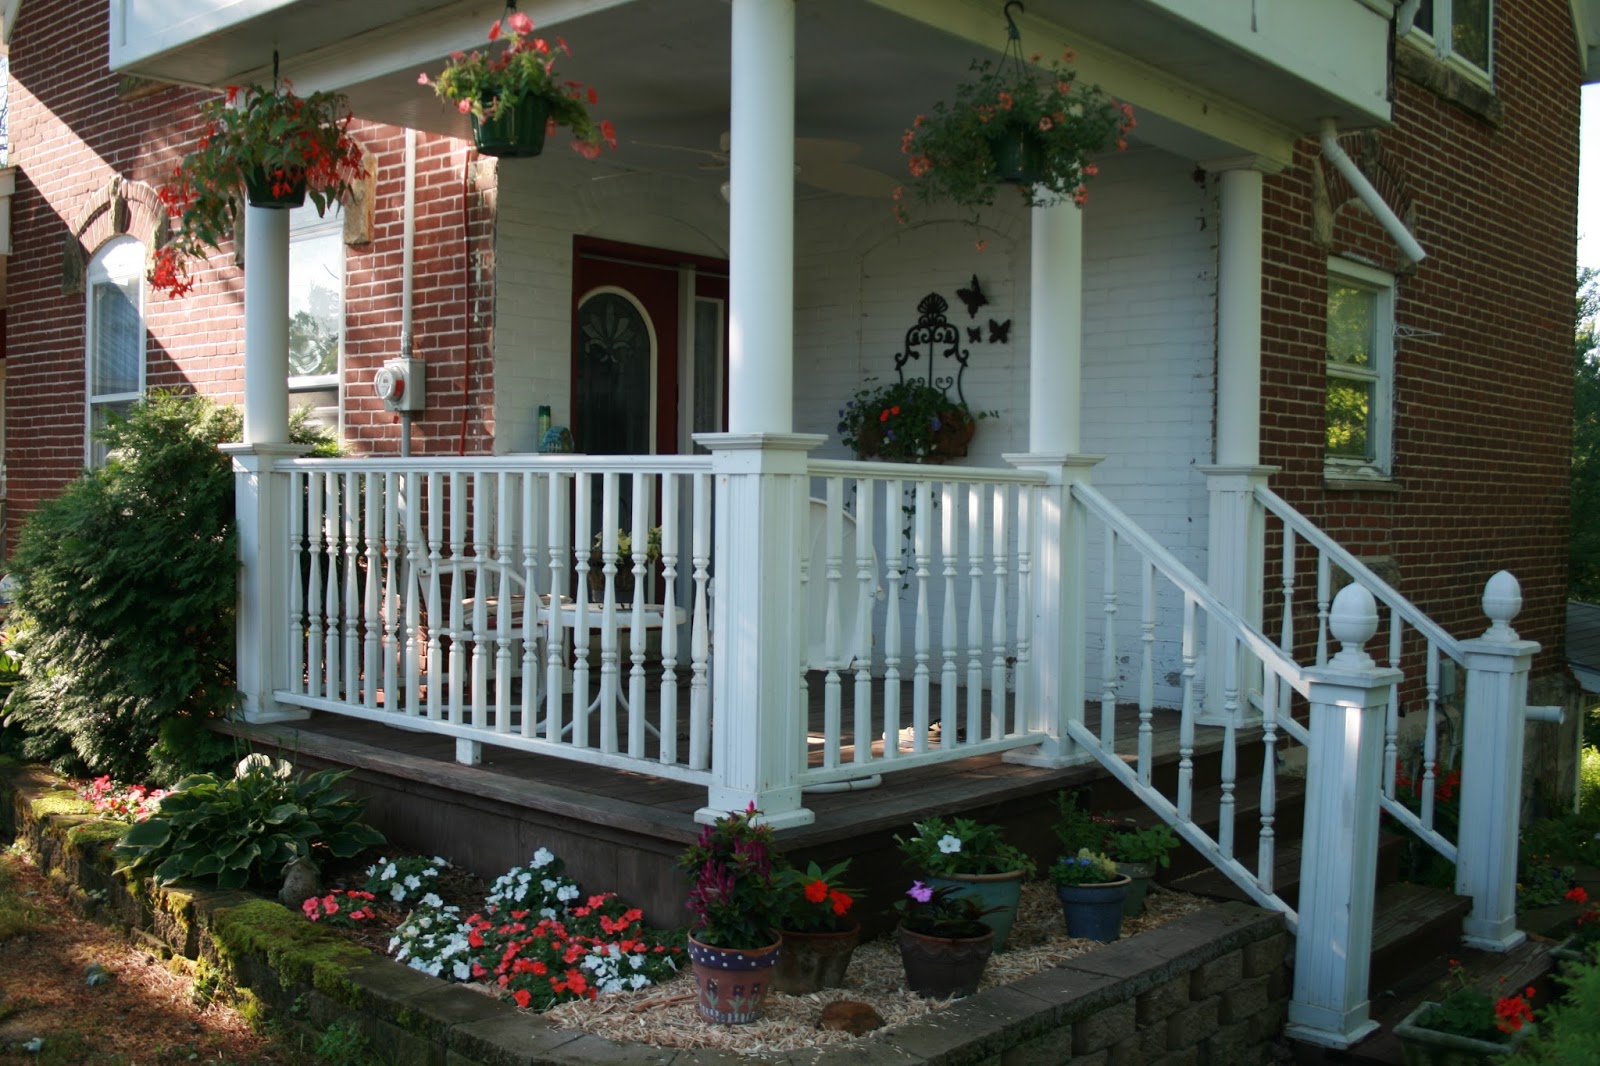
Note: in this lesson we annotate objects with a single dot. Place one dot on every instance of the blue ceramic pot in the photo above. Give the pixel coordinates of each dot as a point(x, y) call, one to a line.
point(1002, 891)
point(1094, 912)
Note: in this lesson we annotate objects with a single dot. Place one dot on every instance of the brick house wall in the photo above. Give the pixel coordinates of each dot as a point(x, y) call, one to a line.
point(1483, 415)
point(91, 147)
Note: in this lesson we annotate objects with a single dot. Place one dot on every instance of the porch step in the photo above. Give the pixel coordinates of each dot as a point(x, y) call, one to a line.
point(1213, 883)
point(1412, 922)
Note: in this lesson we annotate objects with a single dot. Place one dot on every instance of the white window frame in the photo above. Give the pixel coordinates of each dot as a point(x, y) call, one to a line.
point(1439, 44)
point(1379, 373)
point(117, 262)
point(305, 225)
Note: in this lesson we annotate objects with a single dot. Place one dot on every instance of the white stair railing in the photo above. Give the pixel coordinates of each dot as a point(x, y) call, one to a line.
point(1417, 646)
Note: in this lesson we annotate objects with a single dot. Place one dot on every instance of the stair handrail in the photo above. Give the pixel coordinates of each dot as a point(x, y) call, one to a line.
point(1262, 646)
point(1359, 572)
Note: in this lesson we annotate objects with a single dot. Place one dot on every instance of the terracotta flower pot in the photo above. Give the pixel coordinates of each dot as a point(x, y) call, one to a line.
point(1094, 911)
point(732, 983)
point(940, 967)
point(810, 962)
point(1003, 891)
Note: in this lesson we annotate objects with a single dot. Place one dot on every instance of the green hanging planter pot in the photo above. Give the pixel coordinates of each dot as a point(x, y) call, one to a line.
point(516, 132)
point(283, 191)
point(1018, 155)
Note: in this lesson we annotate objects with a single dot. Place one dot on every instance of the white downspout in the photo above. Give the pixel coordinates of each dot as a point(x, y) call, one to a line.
point(408, 225)
point(1369, 196)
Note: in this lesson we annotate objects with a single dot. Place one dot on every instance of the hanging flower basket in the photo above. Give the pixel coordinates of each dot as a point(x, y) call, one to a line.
point(907, 422)
point(503, 91)
point(1027, 124)
point(512, 130)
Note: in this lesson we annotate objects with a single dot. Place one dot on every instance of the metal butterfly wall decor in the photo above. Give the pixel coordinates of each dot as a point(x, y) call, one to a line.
point(999, 332)
point(973, 297)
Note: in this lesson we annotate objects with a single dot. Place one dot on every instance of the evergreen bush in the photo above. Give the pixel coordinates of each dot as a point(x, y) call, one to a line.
point(126, 586)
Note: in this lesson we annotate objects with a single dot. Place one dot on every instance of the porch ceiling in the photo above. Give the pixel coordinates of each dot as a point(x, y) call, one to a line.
point(662, 68)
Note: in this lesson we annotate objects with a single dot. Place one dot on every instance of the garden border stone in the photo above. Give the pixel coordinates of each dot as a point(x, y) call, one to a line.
point(279, 963)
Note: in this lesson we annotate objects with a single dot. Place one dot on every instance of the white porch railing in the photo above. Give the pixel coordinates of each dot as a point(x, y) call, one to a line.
point(1416, 645)
point(479, 598)
point(921, 576)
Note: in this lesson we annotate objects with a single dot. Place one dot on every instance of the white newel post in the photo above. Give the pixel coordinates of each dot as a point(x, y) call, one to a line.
point(260, 495)
point(1055, 419)
point(1237, 528)
point(759, 466)
point(1333, 944)
point(1491, 769)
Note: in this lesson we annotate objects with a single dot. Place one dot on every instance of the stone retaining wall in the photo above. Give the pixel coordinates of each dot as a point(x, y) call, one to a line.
point(1208, 988)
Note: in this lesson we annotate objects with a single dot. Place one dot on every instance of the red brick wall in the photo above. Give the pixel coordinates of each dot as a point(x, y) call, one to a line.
point(75, 126)
point(1482, 436)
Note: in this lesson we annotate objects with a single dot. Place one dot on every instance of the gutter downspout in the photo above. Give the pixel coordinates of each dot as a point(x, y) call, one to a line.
point(408, 225)
point(1409, 248)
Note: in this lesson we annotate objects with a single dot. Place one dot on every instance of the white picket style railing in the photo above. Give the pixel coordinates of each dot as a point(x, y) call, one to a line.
point(455, 595)
point(929, 592)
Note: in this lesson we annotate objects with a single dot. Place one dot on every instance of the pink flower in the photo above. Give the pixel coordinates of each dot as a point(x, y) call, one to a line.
point(494, 31)
point(520, 23)
point(463, 106)
point(1045, 124)
point(920, 892)
point(422, 79)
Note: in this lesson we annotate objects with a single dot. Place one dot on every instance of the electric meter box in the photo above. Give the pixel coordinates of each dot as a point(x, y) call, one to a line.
point(400, 384)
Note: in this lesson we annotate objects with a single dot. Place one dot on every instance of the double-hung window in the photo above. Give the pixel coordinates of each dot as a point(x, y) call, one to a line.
point(1460, 32)
point(1360, 371)
point(316, 310)
point(114, 338)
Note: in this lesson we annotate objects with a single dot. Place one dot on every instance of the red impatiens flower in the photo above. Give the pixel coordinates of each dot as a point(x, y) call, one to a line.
point(816, 891)
point(841, 902)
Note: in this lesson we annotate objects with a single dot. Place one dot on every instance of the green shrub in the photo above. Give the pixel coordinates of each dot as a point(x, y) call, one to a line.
point(1567, 1033)
point(126, 586)
point(125, 598)
point(1589, 783)
point(244, 829)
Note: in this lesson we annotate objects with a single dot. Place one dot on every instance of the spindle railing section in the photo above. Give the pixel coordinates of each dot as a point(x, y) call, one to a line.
point(1310, 569)
point(481, 598)
point(1163, 582)
point(920, 586)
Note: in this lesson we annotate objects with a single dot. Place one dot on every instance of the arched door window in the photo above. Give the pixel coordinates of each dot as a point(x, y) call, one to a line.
point(616, 374)
point(114, 338)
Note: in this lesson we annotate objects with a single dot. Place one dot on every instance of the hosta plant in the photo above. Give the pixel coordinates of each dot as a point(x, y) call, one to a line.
point(244, 829)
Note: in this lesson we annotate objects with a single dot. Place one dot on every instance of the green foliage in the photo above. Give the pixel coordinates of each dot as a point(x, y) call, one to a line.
point(342, 1044)
point(1589, 784)
point(960, 846)
point(906, 422)
point(735, 897)
point(243, 830)
point(1152, 844)
point(1568, 1033)
point(125, 599)
point(1584, 580)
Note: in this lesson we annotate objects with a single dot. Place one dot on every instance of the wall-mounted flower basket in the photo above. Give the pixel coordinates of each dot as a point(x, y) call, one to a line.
point(278, 189)
point(512, 131)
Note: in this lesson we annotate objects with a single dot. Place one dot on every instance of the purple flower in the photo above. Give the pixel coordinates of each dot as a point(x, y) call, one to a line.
point(937, 425)
point(920, 892)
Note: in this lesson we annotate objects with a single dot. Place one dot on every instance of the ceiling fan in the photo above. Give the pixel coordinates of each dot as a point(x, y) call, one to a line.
point(821, 163)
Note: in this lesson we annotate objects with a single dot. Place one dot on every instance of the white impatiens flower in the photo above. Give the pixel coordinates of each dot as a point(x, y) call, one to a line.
point(431, 900)
point(949, 844)
point(413, 882)
point(541, 858)
point(398, 892)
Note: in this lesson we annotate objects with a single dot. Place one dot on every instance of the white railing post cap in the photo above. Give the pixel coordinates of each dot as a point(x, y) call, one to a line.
point(1352, 621)
point(1502, 599)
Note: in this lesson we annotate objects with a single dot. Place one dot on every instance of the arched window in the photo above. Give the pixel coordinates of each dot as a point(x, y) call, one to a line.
point(114, 337)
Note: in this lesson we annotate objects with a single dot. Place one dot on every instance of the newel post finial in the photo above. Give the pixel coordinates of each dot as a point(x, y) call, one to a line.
point(1502, 599)
point(1352, 621)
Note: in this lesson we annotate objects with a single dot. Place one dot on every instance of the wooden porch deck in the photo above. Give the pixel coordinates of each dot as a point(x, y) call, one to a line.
point(622, 830)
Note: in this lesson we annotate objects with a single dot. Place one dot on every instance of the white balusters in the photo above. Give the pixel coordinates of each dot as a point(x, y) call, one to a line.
point(581, 541)
point(922, 535)
point(638, 708)
point(315, 497)
point(299, 549)
point(351, 600)
point(861, 638)
point(435, 609)
point(1147, 668)
point(671, 523)
point(529, 631)
point(330, 541)
point(975, 613)
point(1108, 645)
point(372, 621)
point(831, 577)
point(1187, 712)
point(559, 549)
point(998, 618)
point(950, 552)
point(700, 629)
point(1266, 855)
point(893, 493)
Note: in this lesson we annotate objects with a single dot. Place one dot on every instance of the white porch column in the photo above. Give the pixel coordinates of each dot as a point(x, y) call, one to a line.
point(1234, 558)
point(762, 515)
point(1494, 720)
point(266, 326)
point(1338, 871)
point(1055, 422)
point(761, 219)
point(261, 496)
